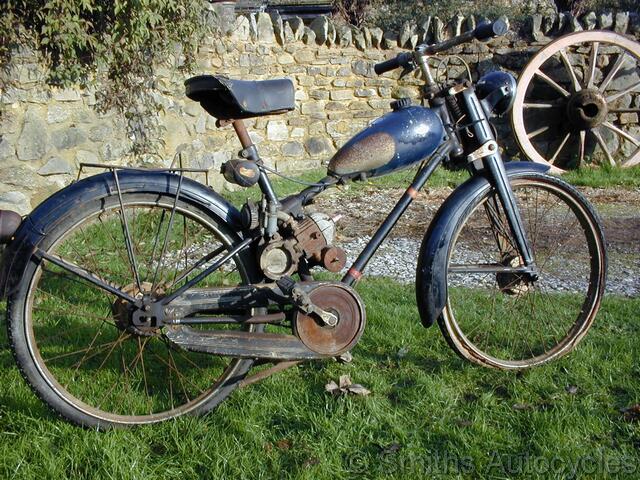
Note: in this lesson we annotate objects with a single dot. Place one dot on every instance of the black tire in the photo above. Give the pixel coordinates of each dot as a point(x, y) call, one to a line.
point(52, 312)
point(503, 321)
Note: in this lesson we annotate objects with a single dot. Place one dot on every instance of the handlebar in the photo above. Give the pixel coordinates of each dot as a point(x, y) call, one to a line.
point(401, 60)
point(487, 30)
point(482, 32)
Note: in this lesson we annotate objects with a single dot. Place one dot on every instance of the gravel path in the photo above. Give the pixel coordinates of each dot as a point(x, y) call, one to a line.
point(396, 258)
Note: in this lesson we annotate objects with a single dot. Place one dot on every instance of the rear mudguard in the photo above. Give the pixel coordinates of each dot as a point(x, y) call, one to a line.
point(44, 218)
point(431, 274)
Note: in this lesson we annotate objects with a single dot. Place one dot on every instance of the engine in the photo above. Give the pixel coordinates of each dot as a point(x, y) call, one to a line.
point(310, 239)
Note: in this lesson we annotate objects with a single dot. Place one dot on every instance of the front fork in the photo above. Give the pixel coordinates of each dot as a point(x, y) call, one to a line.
point(498, 177)
point(492, 161)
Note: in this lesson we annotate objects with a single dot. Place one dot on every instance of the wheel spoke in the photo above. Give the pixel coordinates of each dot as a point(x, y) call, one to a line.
point(559, 149)
point(613, 72)
point(121, 338)
point(537, 132)
point(127, 235)
point(581, 147)
point(152, 256)
point(501, 232)
point(542, 105)
point(166, 237)
point(615, 96)
point(625, 110)
point(603, 146)
point(633, 160)
point(102, 346)
point(172, 367)
point(570, 69)
point(208, 257)
point(67, 313)
point(144, 373)
point(91, 256)
point(86, 275)
point(622, 133)
point(114, 242)
point(484, 268)
point(552, 83)
point(559, 246)
point(592, 65)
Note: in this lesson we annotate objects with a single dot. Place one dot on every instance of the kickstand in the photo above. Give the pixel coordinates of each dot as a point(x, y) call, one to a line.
point(277, 367)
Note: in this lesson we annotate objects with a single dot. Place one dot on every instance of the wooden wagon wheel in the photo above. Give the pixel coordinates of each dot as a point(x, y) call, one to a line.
point(578, 102)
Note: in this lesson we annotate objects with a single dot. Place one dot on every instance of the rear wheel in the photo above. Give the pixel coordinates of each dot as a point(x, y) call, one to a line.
point(75, 343)
point(496, 316)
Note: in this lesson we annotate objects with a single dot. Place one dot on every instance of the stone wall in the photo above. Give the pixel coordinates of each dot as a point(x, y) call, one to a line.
point(47, 132)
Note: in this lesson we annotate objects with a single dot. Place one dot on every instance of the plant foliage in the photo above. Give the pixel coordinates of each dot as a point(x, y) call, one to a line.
point(355, 12)
point(116, 44)
point(391, 14)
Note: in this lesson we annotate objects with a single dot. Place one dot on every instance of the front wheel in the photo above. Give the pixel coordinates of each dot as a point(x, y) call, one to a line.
point(497, 316)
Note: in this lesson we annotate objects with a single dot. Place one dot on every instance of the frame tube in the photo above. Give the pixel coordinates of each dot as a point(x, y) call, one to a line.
point(355, 272)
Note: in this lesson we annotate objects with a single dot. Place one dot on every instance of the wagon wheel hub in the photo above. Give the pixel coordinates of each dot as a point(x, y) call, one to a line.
point(587, 80)
point(587, 109)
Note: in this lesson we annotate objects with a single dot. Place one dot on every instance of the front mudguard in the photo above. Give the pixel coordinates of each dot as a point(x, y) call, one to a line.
point(431, 274)
point(46, 216)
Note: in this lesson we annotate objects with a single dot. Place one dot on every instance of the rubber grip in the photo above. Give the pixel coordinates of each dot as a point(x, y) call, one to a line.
point(386, 66)
point(488, 30)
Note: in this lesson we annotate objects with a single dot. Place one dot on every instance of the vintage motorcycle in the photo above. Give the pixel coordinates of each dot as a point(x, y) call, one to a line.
point(135, 296)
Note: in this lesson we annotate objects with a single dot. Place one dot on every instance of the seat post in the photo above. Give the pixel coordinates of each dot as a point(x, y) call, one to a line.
point(243, 134)
point(251, 153)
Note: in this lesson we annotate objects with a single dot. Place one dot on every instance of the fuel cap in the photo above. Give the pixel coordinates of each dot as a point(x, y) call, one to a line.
point(400, 104)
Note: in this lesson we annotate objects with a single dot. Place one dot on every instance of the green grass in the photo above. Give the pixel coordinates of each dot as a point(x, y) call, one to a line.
point(429, 412)
point(429, 415)
point(402, 179)
point(588, 177)
point(604, 177)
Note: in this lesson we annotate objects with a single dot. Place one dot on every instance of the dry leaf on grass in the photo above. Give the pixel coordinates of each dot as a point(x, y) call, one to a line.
point(283, 444)
point(631, 414)
point(390, 449)
point(402, 352)
point(345, 386)
point(310, 462)
point(571, 389)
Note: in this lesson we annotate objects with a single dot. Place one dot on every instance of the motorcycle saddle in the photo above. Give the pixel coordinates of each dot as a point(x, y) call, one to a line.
point(228, 99)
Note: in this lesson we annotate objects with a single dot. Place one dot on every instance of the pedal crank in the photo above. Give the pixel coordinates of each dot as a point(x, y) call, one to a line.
point(302, 300)
point(331, 339)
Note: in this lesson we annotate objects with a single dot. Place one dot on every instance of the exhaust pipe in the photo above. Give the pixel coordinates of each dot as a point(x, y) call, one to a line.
point(9, 223)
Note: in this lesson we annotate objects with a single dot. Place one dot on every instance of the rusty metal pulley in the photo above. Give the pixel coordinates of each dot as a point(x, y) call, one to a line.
point(341, 301)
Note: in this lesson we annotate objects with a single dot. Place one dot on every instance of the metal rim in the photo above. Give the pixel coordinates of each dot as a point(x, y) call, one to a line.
point(102, 415)
point(585, 107)
point(479, 354)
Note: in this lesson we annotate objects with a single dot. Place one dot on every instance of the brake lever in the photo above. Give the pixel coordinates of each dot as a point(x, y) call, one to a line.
point(406, 71)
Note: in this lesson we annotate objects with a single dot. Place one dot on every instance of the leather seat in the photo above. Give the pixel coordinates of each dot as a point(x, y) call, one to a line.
point(228, 99)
